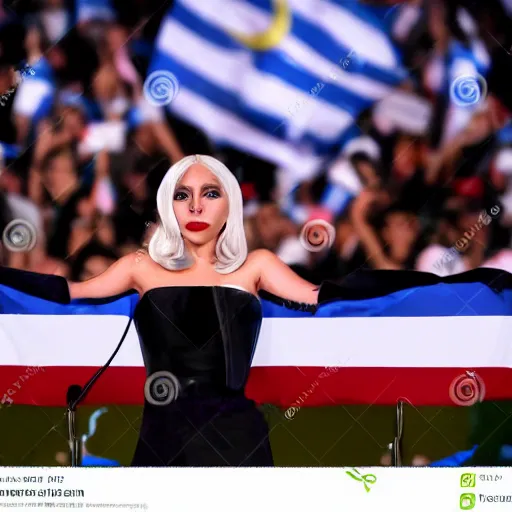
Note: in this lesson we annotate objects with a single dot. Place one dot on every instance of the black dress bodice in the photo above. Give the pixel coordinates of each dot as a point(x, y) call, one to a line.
point(201, 334)
point(204, 337)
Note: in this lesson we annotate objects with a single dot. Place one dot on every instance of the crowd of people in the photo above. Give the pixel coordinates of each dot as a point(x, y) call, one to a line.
point(83, 150)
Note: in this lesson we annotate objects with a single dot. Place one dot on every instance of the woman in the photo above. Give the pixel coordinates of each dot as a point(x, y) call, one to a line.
point(198, 320)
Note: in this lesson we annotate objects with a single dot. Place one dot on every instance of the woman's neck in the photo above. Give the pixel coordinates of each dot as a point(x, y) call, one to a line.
point(202, 254)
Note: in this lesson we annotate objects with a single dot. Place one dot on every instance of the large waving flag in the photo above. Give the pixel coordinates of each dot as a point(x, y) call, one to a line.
point(380, 337)
point(283, 80)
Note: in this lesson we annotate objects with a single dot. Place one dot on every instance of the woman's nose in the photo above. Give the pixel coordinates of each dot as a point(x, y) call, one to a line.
point(195, 206)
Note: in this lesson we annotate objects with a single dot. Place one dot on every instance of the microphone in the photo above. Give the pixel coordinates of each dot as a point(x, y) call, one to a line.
point(73, 395)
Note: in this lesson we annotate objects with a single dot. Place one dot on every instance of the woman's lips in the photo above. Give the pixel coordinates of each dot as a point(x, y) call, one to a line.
point(197, 226)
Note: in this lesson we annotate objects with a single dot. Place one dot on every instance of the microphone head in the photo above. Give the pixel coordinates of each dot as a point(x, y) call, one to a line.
point(73, 393)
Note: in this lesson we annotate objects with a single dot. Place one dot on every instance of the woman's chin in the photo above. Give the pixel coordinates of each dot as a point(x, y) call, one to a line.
point(197, 239)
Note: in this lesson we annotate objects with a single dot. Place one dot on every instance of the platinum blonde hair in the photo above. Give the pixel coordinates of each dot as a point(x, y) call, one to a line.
point(167, 247)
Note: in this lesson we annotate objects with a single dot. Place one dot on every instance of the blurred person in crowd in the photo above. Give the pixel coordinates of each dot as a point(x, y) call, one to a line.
point(58, 174)
point(92, 261)
point(22, 208)
point(347, 245)
point(34, 97)
point(395, 242)
point(273, 228)
point(117, 53)
point(441, 256)
point(55, 18)
point(137, 205)
point(110, 93)
point(457, 51)
point(408, 180)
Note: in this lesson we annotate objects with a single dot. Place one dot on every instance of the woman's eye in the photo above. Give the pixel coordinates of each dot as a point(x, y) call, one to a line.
point(180, 196)
point(212, 194)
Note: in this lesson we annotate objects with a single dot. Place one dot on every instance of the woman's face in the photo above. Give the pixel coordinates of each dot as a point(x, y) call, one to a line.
point(200, 205)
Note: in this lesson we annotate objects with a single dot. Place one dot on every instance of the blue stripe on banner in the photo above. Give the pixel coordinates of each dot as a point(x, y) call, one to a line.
point(14, 302)
point(465, 299)
point(230, 102)
point(440, 300)
point(334, 51)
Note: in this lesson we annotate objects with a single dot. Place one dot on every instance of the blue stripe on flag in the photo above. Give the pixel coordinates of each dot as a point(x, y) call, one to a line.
point(333, 50)
point(231, 102)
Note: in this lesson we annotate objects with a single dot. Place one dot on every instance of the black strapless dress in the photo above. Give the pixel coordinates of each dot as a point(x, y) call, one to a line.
point(197, 344)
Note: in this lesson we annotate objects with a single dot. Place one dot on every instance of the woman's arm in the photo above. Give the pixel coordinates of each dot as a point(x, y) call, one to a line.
point(279, 279)
point(118, 278)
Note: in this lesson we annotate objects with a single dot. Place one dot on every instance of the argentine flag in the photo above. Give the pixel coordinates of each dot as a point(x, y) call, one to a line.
point(293, 101)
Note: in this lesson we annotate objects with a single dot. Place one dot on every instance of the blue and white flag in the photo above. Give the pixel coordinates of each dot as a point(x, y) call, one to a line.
point(378, 337)
point(291, 94)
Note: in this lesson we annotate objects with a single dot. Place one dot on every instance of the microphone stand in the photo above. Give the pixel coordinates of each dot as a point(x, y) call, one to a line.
point(77, 394)
point(73, 396)
point(396, 447)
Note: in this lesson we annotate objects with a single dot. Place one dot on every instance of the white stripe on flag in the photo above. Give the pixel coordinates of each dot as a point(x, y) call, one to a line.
point(224, 126)
point(234, 72)
point(438, 342)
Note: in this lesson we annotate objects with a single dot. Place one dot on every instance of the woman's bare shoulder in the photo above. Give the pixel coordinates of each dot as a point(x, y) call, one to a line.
point(260, 257)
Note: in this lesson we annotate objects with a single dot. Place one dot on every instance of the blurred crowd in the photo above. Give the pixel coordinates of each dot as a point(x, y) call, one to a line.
point(82, 150)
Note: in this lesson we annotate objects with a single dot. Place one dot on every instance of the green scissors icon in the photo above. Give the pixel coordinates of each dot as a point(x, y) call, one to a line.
point(366, 479)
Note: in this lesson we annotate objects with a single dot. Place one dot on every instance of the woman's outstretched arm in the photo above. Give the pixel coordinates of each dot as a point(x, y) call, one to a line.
point(279, 279)
point(118, 278)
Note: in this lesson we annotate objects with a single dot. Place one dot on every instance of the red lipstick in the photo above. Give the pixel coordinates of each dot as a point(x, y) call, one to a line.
point(197, 226)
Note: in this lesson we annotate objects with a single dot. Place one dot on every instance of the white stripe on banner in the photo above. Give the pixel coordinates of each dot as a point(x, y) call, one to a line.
point(401, 342)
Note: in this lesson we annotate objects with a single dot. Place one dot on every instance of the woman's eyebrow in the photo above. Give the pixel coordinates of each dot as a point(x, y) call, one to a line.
point(210, 185)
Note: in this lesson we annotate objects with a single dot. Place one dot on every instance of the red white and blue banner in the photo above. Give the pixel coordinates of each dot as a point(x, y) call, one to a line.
point(384, 336)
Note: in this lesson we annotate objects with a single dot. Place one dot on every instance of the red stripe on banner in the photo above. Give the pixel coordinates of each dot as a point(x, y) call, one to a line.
point(281, 386)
